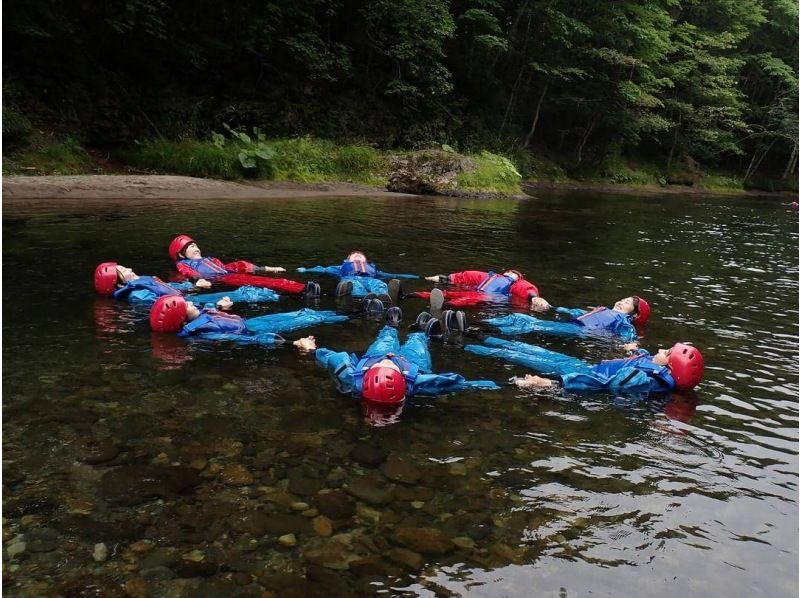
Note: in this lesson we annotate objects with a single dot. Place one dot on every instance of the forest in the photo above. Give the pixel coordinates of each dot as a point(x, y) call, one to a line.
point(568, 88)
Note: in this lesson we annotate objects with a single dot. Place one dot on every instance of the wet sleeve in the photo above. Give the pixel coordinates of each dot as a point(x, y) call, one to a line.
point(437, 384)
point(141, 296)
point(181, 286)
point(524, 289)
point(246, 294)
point(240, 266)
point(572, 312)
point(467, 277)
point(330, 270)
point(266, 339)
point(339, 365)
point(389, 275)
point(627, 332)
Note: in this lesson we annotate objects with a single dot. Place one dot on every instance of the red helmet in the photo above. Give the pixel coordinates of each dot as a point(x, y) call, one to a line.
point(168, 313)
point(177, 245)
point(686, 365)
point(642, 312)
point(105, 278)
point(383, 385)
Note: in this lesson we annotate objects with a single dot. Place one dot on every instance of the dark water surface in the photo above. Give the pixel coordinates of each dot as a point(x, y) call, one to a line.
point(190, 461)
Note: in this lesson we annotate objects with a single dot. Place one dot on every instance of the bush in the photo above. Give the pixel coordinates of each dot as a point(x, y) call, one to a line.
point(492, 174)
point(17, 129)
point(50, 157)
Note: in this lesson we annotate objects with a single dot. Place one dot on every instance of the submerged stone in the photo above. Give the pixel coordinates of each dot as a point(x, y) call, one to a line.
point(335, 504)
point(400, 470)
point(427, 540)
point(369, 490)
point(135, 484)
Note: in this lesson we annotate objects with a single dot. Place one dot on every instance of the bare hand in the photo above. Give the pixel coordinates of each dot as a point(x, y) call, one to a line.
point(202, 283)
point(539, 304)
point(434, 278)
point(630, 346)
point(274, 269)
point(531, 381)
point(225, 303)
point(308, 343)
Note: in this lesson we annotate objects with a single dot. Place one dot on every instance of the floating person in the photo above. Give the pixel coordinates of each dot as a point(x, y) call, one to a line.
point(485, 287)
point(619, 321)
point(123, 284)
point(388, 373)
point(175, 314)
point(190, 263)
point(359, 277)
point(678, 368)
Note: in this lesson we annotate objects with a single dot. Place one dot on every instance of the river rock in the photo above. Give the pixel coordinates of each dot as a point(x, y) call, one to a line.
point(335, 504)
point(194, 569)
point(136, 587)
point(236, 475)
point(323, 526)
point(369, 490)
point(97, 450)
point(400, 470)
point(304, 486)
point(332, 555)
point(427, 540)
point(160, 557)
point(135, 484)
point(41, 539)
point(428, 172)
point(406, 558)
point(100, 552)
point(288, 540)
point(156, 574)
point(369, 454)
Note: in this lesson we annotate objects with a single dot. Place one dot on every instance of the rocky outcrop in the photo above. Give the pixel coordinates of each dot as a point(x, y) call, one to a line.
point(428, 172)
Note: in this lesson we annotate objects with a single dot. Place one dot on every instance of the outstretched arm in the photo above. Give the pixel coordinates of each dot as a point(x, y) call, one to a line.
point(437, 384)
point(339, 365)
point(389, 275)
point(330, 270)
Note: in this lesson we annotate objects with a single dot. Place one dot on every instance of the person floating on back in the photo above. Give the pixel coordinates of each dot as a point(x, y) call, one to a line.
point(175, 314)
point(678, 368)
point(388, 373)
point(359, 278)
point(620, 321)
point(123, 284)
point(484, 287)
point(190, 263)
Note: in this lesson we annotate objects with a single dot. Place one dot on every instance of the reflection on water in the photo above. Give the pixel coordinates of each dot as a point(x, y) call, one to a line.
point(210, 469)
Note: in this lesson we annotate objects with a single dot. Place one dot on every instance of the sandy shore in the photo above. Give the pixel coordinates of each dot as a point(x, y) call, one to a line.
point(171, 187)
point(168, 187)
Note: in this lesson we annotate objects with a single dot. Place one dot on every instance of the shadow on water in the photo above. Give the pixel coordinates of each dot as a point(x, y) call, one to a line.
point(214, 469)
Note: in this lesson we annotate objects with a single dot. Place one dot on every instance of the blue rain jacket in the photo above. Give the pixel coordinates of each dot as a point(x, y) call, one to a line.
point(146, 289)
point(636, 374)
point(348, 269)
point(215, 325)
point(601, 321)
point(413, 358)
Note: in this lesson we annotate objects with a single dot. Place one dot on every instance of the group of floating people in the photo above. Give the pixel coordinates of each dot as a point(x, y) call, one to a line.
point(389, 372)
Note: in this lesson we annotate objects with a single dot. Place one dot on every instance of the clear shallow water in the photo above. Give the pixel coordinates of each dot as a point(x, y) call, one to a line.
point(189, 461)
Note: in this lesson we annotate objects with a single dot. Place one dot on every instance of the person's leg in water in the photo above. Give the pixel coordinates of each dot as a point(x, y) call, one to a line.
point(415, 349)
point(395, 290)
point(437, 301)
point(386, 342)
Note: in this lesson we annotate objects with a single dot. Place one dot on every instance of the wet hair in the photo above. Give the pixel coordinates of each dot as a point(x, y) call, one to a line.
point(635, 304)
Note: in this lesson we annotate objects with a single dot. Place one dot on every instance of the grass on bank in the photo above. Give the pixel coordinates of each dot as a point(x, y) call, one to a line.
point(304, 160)
point(48, 156)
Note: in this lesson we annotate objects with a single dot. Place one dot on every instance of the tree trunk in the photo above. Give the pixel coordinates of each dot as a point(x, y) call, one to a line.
point(674, 142)
point(585, 137)
point(791, 164)
point(511, 101)
point(536, 116)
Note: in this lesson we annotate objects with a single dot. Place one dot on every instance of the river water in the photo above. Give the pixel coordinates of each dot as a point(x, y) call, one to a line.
point(221, 470)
